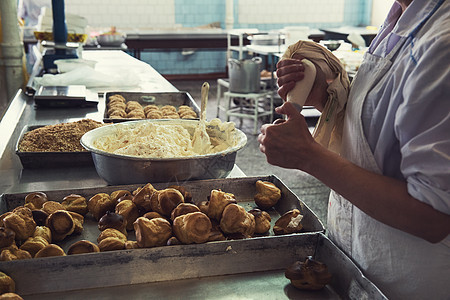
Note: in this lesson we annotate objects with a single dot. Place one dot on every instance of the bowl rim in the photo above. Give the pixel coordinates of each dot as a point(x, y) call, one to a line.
point(242, 141)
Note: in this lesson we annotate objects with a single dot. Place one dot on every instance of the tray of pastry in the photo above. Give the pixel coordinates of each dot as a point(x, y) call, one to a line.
point(180, 243)
point(126, 106)
point(54, 146)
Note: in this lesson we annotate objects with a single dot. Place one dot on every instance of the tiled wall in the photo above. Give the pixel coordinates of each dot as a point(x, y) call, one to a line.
point(138, 15)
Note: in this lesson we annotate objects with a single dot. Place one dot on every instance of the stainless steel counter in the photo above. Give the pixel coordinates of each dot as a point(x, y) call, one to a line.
point(22, 112)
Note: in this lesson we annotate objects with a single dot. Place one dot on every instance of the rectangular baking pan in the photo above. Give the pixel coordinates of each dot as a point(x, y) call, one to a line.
point(37, 160)
point(160, 99)
point(150, 269)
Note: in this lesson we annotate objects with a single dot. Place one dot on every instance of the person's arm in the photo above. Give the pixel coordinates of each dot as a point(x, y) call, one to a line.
point(385, 199)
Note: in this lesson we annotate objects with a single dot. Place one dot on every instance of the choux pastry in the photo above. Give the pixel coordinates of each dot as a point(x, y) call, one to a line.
point(152, 233)
point(267, 194)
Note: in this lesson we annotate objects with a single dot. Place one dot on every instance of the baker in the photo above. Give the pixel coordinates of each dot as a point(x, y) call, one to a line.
point(390, 202)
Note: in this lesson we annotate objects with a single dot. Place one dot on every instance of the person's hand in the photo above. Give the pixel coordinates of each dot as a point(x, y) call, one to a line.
point(291, 70)
point(287, 144)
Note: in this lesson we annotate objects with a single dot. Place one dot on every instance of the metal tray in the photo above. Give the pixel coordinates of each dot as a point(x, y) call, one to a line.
point(154, 266)
point(160, 99)
point(35, 160)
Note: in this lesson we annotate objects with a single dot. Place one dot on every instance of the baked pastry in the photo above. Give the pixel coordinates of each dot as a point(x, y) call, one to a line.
point(131, 245)
point(173, 241)
point(192, 228)
point(7, 237)
point(50, 250)
point(289, 222)
point(267, 194)
point(34, 244)
point(152, 233)
point(35, 200)
point(83, 246)
point(168, 108)
point(120, 195)
point(111, 244)
point(186, 194)
point(262, 220)
point(216, 233)
point(182, 209)
point(52, 206)
point(218, 200)
point(78, 221)
point(308, 275)
point(75, 203)
point(99, 204)
point(2, 217)
point(236, 220)
point(116, 97)
point(14, 253)
point(166, 200)
point(7, 284)
point(129, 211)
point(21, 222)
point(150, 107)
point(39, 216)
point(152, 215)
point(61, 224)
point(43, 231)
point(142, 197)
point(111, 232)
point(10, 296)
point(154, 114)
point(203, 206)
point(113, 220)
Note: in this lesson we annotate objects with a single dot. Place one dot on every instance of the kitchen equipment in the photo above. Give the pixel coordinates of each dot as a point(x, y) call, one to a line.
point(122, 169)
point(266, 39)
point(65, 96)
point(245, 75)
point(111, 40)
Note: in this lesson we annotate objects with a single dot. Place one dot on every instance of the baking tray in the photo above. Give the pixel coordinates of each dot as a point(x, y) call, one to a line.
point(242, 268)
point(160, 99)
point(38, 160)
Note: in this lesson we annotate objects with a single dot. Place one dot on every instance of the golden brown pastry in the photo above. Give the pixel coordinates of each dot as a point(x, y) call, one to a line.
point(118, 114)
point(35, 200)
point(262, 220)
point(150, 107)
point(50, 250)
point(203, 206)
point(182, 209)
point(61, 224)
point(136, 114)
point(216, 233)
point(218, 200)
point(7, 284)
point(120, 195)
point(2, 217)
point(14, 253)
point(21, 222)
point(52, 206)
point(7, 237)
point(83, 246)
point(78, 221)
point(43, 231)
point(111, 244)
point(39, 216)
point(10, 296)
point(152, 233)
point(113, 220)
point(168, 108)
point(142, 197)
point(131, 245)
point(75, 203)
point(173, 241)
point(289, 222)
point(236, 220)
point(152, 215)
point(154, 114)
point(99, 204)
point(186, 194)
point(129, 211)
point(116, 97)
point(308, 275)
point(34, 244)
point(267, 194)
point(111, 233)
point(192, 228)
point(166, 201)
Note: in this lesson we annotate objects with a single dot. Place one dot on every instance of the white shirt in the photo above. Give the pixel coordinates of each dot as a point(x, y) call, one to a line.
point(406, 117)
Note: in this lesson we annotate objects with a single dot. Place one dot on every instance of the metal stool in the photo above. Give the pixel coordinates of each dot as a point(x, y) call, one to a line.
point(254, 110)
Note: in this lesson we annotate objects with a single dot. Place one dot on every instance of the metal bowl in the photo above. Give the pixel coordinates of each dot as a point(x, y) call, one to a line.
point(122, 169)
point(110, 40)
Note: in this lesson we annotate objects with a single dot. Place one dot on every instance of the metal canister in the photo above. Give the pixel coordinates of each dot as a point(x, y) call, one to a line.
point(245, 75)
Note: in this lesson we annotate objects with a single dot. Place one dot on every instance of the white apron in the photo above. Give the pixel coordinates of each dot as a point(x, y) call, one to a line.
point(401, 265)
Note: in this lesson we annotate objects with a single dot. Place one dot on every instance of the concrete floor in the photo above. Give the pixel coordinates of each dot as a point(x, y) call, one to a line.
point(253, 163)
